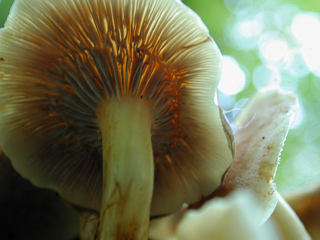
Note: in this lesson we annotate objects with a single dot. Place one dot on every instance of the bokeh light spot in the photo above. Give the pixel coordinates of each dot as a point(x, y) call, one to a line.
point(233, 78)
point(266, 77)
point(273, 48)
point(250, 28)
point(311, 56)
point(306, 28)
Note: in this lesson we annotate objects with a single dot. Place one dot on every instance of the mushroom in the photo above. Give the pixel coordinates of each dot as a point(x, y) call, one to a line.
point(227, 218)
point(111, 104)
point(288, 223)
point(261, 130)
point(236, 216)
point(263, 125)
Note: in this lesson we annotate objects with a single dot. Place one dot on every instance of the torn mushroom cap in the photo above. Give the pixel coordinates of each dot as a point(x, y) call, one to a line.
point(264, 124)
point(70, 57)
point(232, 217)
point(288, 223)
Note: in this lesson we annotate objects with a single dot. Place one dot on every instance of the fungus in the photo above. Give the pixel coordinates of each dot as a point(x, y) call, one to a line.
point(226, 218)
point(111, 104)
point(263, 126)
point(288, 223)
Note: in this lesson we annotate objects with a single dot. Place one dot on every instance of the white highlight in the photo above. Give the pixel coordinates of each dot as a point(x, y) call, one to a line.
point(306, 28)
point(250, 28)
point(311, 57)
point(273, 49)
point(233, 78)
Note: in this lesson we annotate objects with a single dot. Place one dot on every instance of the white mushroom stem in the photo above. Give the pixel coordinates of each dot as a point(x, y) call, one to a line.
point(128, 170)
point(288, 223)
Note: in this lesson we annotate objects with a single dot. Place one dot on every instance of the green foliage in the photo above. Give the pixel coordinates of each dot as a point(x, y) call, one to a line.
point(4, 10)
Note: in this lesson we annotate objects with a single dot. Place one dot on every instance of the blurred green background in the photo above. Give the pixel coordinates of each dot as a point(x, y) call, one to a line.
point(268, 43)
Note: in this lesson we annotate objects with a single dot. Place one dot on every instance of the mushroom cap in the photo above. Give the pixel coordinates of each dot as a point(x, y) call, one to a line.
point(263, 127)
point(60, 61)
point(232, 217)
